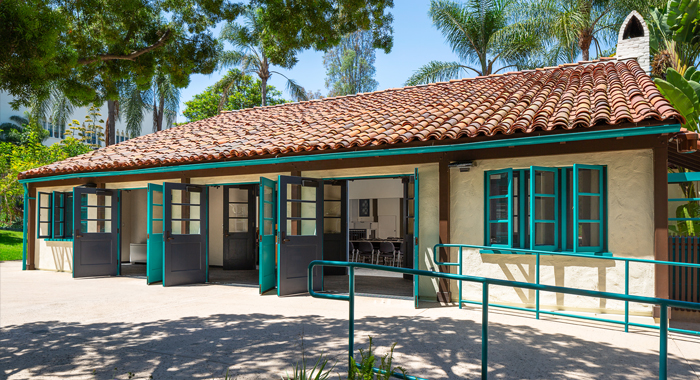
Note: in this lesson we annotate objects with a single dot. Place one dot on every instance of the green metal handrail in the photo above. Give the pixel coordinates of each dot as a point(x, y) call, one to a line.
point(486, 282)
point(537, 253)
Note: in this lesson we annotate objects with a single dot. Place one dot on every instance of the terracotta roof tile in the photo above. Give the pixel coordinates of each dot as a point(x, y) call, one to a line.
point(567, 97)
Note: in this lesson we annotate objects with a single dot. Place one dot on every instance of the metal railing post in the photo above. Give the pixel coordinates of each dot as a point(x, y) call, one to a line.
point(351, 317)
point(627, 292)
point(459, 302)
point(537, 292)
point(663, 349)
point(485, 331)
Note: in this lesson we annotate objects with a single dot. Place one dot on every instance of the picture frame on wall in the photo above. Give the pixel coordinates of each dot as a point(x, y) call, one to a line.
point(364, 208)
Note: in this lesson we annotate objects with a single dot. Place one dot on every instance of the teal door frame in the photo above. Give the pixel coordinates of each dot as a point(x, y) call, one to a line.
point(416, 224)
point(267, 271)
point(154, 243)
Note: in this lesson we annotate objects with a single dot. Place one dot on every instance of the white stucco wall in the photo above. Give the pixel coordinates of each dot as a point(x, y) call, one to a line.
point(630, 234)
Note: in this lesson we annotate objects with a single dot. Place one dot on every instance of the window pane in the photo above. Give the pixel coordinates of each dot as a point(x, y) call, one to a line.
point(331, 192)
point(301, 227)
point(544, 233)
point(44, 229)
point(238, 210)
point(588, 207)
point(268, 227)
point(44, 214)
point(589, 234)
point(194, 197)
point(498, 233)
point(301, 210)
point(498, 209)
point(498, 184)
point(331, 225)
point(157, 226)
point(331, 208)
point(268, 193)
point(158, 197)
point(95, 200)
point(44, 199)
point(185, 227)
point(177, 196)
point(95, 226)
point(588, 181)
point(544, 208)
point(238, 225)
point(157, 212)
point(268, 211)
point(544, 182)
point(185, 212)
point(237, 195)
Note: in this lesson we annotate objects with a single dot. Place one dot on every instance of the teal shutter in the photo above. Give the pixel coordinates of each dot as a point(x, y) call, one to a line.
point(499, 208)
point(589, 208)
point(544, 208)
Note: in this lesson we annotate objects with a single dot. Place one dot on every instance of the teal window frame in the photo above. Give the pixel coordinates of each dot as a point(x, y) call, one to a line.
point(533, 220)
point(62, 215)
point(602, 212)
point(49, 213)
point(567, 202)
point(509, 196)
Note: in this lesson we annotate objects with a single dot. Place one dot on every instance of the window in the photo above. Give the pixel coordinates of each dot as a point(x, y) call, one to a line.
point(55, 215)
point(546, 209)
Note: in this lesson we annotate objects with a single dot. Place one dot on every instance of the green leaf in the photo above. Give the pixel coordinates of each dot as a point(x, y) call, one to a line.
point(695, 77)
point(676, 79)
point(689, 72)
point(677, 98)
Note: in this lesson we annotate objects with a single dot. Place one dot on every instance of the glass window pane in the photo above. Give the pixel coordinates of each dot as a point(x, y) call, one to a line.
point(268, 211)
point(44, 229)
point(301, 227)
point(44, 199)
point(185, 227)
point(237, 195)
point(301, 210)
point(44, 214)
point(177, 196)
point(331, 208)
point(268, 227)
point(238, 225)
point(589, 181)
point(544, 182)
point(158, 197)
point(239, 210)
point(95, 226)
point(498, 184)
point(498, 233)
point(293, 191)
point(331, 226)
point(498, 209)
point(308, 193)
point(589, 234)
point(176, 211)
point(332, 192)
point(544, 208)
point(588, 207)
point(157, 226)
point(268, 193)
point(194, 197)
point(544, 233)
point(157, 212)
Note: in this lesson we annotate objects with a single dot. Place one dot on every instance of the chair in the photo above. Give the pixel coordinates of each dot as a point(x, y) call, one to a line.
point(386, 252)
point(365, 250)
point(352, 252)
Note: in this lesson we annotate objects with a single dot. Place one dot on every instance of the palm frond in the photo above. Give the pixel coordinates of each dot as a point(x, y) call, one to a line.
point(132, 107)
point(297, 92)
point(436, 71)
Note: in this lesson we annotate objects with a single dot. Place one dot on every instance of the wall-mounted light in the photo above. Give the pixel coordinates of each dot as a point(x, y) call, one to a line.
point(463, 166)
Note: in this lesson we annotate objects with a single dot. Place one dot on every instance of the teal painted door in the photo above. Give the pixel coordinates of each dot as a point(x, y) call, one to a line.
point(154, 244)
point(416, 202)
point(268, 210)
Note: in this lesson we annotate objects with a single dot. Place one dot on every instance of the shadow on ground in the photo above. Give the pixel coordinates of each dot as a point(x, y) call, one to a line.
point(264, 346)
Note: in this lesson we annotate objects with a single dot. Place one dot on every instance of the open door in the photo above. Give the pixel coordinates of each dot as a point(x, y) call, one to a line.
point(267, 270)
point(335, 225)
point(184, 233)
point(154, 243)
point(300, 233)
point(96, 239)
point(416, 250)
point(239, 227)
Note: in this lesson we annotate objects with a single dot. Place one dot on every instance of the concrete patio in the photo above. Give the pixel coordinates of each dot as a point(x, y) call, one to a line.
point(54, 326)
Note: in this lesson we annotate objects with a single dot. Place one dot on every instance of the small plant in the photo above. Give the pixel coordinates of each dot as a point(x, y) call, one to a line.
point(365, 369)
point(317, 372)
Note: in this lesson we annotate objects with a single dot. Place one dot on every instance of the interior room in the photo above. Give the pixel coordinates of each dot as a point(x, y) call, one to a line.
point(377, 229)
point(233, 232)
point(133, 232)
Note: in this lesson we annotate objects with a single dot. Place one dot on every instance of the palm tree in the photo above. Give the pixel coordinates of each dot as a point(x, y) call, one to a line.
point(52, 107)
point(249, 55)
point(164, 99)
point(481, 32)
point(11, 132)
point(579, 25)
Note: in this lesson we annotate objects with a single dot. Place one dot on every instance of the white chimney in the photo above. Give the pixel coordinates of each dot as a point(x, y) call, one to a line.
point(633, 41)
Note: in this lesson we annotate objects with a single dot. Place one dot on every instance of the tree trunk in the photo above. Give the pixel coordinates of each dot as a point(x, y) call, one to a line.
point(161, 106)
point(263, 90)
point(110, 130)
point(585, 45)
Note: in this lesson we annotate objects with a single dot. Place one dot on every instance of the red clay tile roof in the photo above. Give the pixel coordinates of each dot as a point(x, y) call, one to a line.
point(567, 97)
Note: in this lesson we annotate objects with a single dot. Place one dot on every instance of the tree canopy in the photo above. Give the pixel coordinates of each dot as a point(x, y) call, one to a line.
point(243, 93)
point(350, 65)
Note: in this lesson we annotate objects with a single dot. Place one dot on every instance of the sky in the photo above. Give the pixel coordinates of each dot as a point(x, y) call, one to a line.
point(416, 42)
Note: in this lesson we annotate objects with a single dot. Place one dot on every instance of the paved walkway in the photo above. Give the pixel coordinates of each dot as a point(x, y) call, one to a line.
point(54, 326)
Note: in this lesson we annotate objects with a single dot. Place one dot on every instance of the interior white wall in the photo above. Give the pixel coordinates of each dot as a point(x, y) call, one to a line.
point(375, 188)
point(388, 192)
